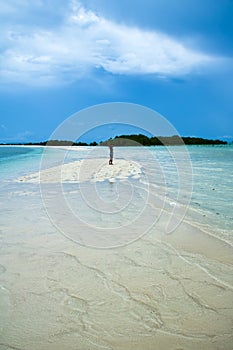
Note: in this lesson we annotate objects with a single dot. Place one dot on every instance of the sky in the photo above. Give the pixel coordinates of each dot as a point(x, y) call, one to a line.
point(59, 57)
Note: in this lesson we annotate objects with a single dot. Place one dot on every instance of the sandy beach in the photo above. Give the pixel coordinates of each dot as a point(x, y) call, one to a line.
point(94, 170)
point(162, 291)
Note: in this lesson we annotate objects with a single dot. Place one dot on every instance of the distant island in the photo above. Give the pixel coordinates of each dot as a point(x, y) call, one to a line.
point(129, 140)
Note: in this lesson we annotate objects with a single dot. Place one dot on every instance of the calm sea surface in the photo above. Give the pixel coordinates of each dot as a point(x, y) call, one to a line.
point(211, 167)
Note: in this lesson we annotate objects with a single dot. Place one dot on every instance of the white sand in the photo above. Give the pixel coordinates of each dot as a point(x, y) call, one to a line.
point(86, 170)
point(160, 292)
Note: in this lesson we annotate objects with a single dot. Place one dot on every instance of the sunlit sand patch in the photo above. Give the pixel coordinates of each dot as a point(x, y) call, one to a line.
point(94, 170)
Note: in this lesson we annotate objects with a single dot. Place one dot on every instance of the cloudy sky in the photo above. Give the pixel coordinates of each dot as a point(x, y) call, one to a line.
point(60, 56)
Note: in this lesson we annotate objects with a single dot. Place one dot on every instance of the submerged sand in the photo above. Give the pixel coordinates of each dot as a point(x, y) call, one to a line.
point(160, 292)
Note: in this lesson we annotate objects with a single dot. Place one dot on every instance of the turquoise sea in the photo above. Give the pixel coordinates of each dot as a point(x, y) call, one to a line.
point(212, 174)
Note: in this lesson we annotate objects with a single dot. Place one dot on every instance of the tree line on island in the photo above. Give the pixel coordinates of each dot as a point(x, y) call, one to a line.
point(132, 140)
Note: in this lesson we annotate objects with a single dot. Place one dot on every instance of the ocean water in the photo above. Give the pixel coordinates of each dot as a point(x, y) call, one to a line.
point(211, 173)
point(164, 290)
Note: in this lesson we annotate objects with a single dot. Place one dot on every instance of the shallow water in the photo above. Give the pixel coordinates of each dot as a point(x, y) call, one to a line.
point(162, 291)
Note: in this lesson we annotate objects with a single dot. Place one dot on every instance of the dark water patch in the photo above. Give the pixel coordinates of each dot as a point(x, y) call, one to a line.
point(7, 153)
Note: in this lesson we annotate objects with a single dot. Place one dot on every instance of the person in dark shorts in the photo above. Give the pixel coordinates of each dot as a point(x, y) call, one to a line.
point(111, 155)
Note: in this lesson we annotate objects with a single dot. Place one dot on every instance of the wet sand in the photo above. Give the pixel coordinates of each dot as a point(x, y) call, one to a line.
point(160, 292)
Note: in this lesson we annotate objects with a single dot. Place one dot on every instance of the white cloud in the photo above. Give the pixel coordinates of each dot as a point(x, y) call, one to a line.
point(85, 41)
point(227, 137)
point(3, 129)
point(24, 135)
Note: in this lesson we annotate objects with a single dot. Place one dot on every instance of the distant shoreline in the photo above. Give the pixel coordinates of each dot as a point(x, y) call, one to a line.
point(128, 140)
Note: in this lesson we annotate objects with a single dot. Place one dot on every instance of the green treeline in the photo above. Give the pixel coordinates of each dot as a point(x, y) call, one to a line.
point(133, 140)
point(53, 143)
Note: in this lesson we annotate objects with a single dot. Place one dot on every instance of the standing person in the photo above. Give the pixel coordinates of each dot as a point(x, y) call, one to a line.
point(111, 155)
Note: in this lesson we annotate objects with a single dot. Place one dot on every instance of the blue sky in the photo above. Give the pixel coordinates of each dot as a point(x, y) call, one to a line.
point(58, 57)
